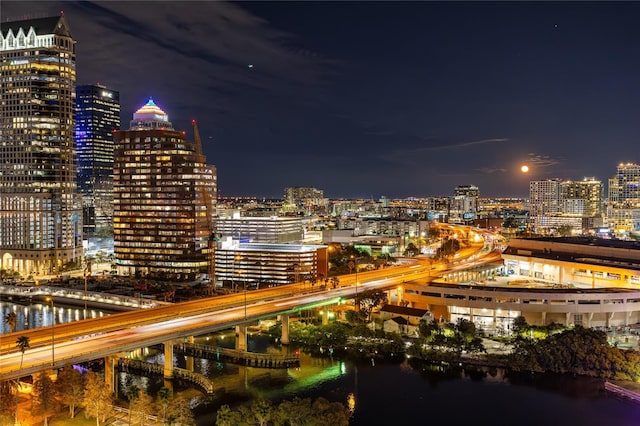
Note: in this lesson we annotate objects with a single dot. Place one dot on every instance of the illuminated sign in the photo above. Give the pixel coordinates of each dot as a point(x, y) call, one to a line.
point(107, 94)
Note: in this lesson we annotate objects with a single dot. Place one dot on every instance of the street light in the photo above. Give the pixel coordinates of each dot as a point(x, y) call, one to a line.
point(53, 323)
point(233, 272)
point(355, 262)
point(87, 270)
point(244, 285)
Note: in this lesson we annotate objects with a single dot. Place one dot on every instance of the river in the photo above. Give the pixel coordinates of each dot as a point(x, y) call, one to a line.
point(391, 394)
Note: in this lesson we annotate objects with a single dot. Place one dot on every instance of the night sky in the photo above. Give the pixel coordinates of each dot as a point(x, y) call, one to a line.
point(367, 99)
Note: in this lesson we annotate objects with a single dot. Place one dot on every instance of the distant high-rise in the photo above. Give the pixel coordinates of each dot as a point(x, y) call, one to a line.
point(623, 210)
point(97, 116)
point(582, 197)
point(464, 204)
point(301, 196)
point(163, 199)
point(304, 199)
point(544, 197)
point(40, 210)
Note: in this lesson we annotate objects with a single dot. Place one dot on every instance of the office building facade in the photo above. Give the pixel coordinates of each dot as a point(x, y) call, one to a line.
point(40, 209)
point(163, 198)
point(97, 117)
point(623, 210)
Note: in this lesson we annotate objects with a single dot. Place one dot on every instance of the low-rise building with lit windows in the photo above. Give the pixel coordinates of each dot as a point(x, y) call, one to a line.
point(272, 229)
point(571, 281)
point(256, 265)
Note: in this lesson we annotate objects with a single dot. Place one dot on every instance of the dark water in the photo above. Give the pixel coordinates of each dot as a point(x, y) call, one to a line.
point(392, 394)
point(416, 394)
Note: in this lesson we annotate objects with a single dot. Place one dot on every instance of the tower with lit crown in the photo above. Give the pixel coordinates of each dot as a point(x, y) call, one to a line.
point(163, 191)
point(40, 211)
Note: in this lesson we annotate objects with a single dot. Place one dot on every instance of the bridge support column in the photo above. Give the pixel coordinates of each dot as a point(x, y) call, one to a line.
point(544, 318)
point(189, 359)
point(325, 315)
point(285, 329)
point(110, 362)
point(627, 317)
point(241, 337)
point(589, 319)
point(609, 318)
point(168, 359)
point(567, 318)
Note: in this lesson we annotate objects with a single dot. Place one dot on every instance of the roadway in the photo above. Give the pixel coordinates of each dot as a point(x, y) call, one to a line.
point(91, 339)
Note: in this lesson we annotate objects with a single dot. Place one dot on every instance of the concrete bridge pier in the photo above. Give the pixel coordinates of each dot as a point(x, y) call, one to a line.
point(609, 318)
point(189, 359)
point(544, 318)
point(284, 339)
point(168, 360)
point(241, 337)
point(324, 314)
point(110, 363)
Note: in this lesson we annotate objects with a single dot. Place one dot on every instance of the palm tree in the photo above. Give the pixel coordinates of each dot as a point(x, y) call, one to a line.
point(11, 319)
point(23, 344)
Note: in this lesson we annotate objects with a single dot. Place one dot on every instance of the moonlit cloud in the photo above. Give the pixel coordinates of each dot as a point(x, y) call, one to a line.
point(542, 161)
point(490, 170)
point(467, 144)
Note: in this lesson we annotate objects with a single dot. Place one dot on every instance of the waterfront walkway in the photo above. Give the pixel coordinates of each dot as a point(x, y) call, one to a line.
point(250, 359)
point(148, 368)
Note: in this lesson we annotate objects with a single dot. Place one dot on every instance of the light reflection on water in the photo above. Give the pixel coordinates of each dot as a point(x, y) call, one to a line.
point(38, 314)
point(367, 389)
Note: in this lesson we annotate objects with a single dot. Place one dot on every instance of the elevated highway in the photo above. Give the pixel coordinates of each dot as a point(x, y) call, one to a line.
point(80, 341)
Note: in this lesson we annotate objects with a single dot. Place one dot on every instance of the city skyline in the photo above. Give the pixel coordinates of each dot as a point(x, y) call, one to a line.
point(372, 99)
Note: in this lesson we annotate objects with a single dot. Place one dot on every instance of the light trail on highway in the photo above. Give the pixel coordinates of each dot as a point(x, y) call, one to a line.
point(91, 339)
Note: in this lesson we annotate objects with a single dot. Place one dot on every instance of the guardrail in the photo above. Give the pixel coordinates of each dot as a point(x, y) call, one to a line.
point(622, 392)
point(77, 297)
point(121, 410)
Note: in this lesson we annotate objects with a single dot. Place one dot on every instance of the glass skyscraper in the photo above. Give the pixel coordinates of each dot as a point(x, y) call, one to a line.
point(97, 117)
point(40, 211)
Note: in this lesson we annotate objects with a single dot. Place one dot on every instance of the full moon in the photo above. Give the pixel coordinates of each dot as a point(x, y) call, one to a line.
point(524, 169)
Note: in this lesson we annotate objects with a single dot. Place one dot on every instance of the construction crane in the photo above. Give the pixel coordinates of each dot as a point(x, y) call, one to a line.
point(204, 193)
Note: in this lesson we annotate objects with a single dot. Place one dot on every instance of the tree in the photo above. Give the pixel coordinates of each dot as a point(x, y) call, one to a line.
point(330, 413)
point(70, 388)
point(131, 392)
point(179, 412)
point(43, 397)
point(520, 325)
point(262, 411)
point(368, 300)
point(227, 417)
point(9, 391)
point(164, 397)
point(142, 407)
point(11, 319)
point(97, 398)
point(411, 250)
point(22, 343)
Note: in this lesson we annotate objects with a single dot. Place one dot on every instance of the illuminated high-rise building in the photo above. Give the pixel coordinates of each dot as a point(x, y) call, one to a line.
point(164, 195)
point(582, 197)
point(544, 197)
point(97, 116)
point(40, 210)
point(623, 210)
